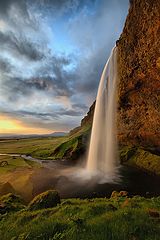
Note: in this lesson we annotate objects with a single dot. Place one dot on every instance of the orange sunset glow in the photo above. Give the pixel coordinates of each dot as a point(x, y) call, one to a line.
point(13, 126)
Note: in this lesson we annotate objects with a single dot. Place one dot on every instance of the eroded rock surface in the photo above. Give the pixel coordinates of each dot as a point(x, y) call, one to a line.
point(139, 75)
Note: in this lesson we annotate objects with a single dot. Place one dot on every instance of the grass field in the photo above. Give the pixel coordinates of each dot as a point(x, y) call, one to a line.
point(15, 177)
point(44, 147)
point(15, 163)
point(121, 218)
point(36, 147)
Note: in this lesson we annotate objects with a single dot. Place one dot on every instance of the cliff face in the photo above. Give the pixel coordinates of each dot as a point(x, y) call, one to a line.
point(138, 89)
point(86, 121)
point(139, 75)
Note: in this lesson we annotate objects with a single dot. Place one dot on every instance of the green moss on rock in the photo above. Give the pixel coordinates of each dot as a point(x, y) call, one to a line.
point(66, 149)
point(126, 153)
point(46, 199)
point(140, 158)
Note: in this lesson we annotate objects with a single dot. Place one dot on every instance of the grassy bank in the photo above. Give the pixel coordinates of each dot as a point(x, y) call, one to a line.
point(117, 218)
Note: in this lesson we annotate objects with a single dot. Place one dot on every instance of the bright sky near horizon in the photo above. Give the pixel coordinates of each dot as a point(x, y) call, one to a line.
point(52, 53)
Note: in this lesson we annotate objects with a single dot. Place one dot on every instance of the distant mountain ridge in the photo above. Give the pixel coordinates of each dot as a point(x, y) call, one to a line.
point(54, 134)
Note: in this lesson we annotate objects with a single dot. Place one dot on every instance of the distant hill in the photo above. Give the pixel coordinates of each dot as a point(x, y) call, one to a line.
point(54, 134)
point(58, 134)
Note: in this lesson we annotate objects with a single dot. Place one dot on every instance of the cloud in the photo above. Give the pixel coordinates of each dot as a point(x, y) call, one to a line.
point(50, 79)
point(95, 33)
point(20, 46)
point(20, 7)
point(39, 83)
point(79, 106)
point(5, 66)
point(62, 7)
point(63, 119)
point(5, 5)
point(15, 13)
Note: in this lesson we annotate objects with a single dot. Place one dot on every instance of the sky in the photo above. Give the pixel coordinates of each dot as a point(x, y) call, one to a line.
point(52, 53)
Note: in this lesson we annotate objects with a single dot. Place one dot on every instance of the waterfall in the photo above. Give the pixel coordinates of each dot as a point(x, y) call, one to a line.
point(102, 156)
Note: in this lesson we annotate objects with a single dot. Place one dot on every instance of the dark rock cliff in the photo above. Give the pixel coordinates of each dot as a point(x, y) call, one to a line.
point(139, 75)
point(87, 120)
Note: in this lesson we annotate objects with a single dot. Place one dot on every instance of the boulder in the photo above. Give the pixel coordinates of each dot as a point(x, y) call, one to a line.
point(3, 163)
point(114, 194)
point(46, 199)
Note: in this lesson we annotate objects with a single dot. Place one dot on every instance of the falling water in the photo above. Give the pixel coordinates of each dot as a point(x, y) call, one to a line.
point(102, 157)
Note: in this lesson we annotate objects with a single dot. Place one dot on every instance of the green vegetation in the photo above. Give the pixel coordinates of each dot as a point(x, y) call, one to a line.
point(36, 147)
point(10, 203)
point(75, 144)
point(140, 158)
point(49, 148)
point(66, 148)
point(16, 176)
point(117, 218)
point(16, 162)
point(45, 200)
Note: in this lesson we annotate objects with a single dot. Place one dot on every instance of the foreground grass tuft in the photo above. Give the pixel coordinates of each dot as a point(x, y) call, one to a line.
point(10, 203)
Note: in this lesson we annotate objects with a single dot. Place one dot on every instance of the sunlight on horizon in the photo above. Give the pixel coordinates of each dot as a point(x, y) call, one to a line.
point(13, 126)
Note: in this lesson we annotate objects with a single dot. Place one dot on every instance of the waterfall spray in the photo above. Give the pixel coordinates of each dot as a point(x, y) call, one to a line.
point(102, 156)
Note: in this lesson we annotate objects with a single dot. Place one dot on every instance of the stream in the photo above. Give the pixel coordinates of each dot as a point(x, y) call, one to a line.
point(66, 178)
point(44, 163)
